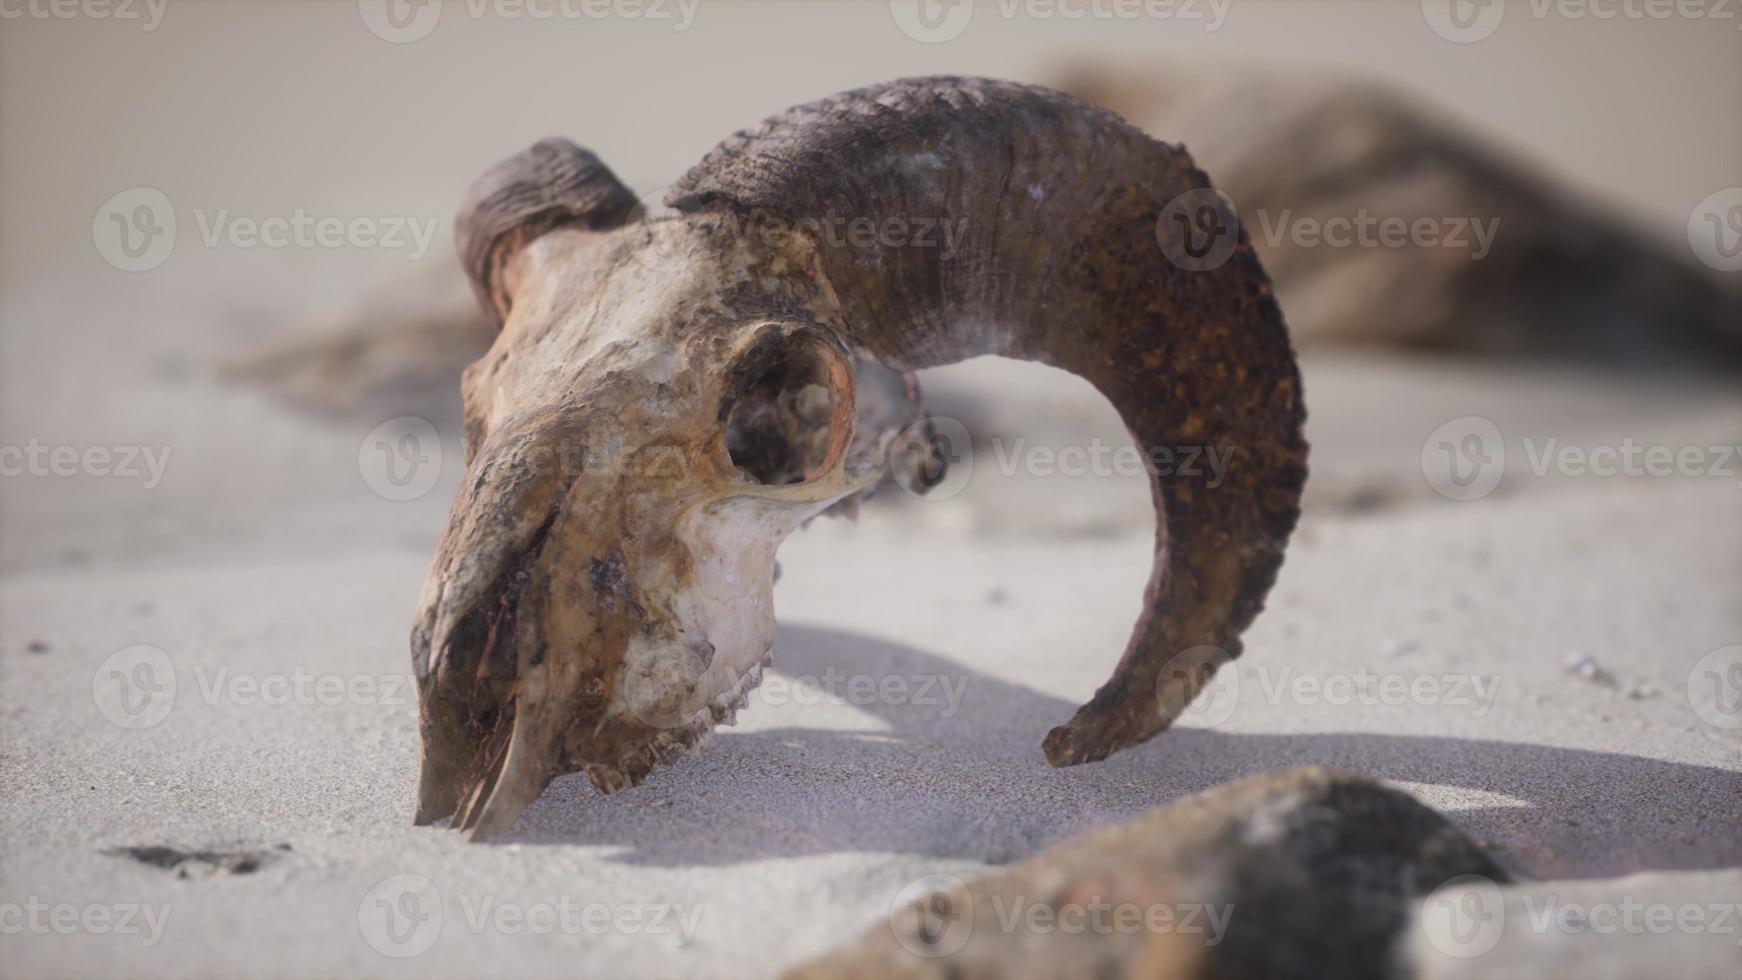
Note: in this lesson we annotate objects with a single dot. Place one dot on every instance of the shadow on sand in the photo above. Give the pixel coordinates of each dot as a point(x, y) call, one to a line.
point(974, 785)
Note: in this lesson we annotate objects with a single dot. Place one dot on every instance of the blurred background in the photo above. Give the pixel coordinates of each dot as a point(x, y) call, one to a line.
point(1497, 231)
point(1590, 146)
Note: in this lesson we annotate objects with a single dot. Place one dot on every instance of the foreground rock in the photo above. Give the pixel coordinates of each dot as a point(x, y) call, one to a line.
point(1302, 873)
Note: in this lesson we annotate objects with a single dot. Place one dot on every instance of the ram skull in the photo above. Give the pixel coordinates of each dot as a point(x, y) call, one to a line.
point(671, 394)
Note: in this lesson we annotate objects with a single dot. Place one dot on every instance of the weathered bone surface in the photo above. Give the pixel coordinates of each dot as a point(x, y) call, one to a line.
point(1303, 873)
point(670, 396)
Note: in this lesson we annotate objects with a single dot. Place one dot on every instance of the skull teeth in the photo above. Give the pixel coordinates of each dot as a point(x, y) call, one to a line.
point(673, 743)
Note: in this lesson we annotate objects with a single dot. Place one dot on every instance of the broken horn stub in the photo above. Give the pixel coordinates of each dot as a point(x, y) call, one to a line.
point(551, 185)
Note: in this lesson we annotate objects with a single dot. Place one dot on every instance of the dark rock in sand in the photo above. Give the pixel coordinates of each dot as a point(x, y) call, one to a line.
point(1302, 873)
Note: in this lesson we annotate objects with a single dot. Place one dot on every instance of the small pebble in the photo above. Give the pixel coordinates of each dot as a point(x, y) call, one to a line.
point(1585, 665)
point(1401, 648)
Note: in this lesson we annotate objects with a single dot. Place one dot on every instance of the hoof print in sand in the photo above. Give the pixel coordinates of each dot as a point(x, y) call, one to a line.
point(201, 863)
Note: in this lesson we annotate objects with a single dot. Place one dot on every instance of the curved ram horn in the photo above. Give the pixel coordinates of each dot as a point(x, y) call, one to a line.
point(1056, 207)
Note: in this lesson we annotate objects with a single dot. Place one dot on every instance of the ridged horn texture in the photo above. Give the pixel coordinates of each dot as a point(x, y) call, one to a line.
point(552, 185)
point(1057, 261)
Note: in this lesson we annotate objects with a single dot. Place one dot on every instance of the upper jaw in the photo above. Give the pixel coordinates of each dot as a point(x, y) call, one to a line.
point(609, 659)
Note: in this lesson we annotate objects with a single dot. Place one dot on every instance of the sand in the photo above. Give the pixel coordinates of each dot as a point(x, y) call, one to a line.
point(794, 829)
point(267, 571)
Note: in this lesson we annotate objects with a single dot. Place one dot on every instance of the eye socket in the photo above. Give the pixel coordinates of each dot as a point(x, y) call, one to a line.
point(779, 411)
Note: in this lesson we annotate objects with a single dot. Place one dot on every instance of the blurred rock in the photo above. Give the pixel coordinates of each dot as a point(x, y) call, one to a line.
point(400, 353)
point(1559, 277)
point(1300, 873)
